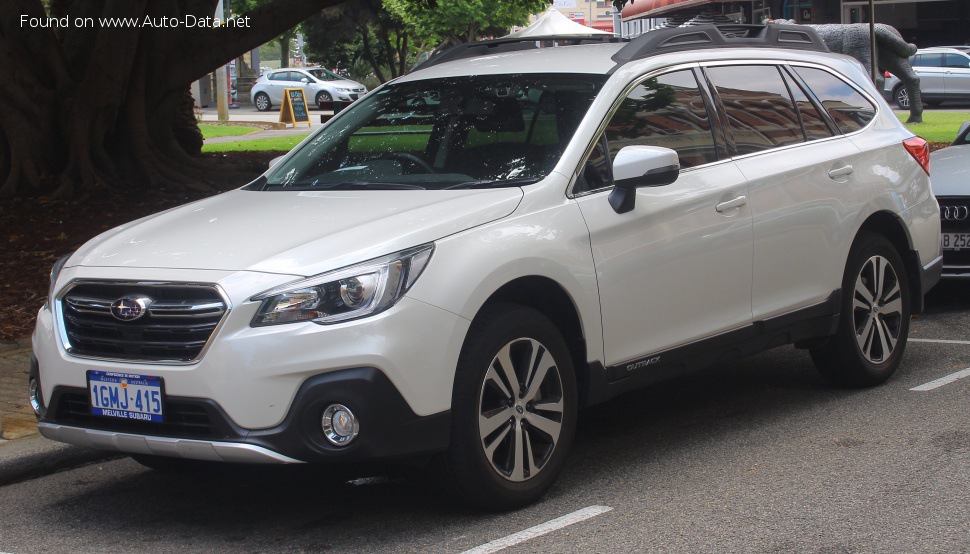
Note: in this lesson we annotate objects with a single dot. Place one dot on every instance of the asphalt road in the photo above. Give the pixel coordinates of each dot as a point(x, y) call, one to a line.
point(758, 456)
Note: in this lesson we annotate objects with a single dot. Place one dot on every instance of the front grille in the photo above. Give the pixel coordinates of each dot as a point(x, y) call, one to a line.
point(182, 419)
point(177, 322)
point(955, 214)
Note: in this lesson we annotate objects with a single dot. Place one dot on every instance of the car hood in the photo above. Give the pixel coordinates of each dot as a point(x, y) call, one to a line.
point(950, 171)
point(294, 233)
point(344, 83)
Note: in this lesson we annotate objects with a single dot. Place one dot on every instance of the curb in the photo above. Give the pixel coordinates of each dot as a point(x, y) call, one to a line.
point(35, 456)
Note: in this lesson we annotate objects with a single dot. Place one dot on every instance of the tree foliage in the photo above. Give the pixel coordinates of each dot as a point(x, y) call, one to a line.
point(362, 30)
point(463, 20)
point(102, 105)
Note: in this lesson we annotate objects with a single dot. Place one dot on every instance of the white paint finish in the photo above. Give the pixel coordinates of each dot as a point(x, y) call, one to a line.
point(942, 381)
point(673, 269)
point(546, 237)
point(299, 233)
point(539, 530)
point(950, 169)
point(801, 216)
point(940, 341)
point(254, 373)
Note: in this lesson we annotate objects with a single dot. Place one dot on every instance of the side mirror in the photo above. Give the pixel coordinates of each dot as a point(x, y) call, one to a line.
point(304, 80)
point(276, 160)
point(641, 166)
point(962, 133)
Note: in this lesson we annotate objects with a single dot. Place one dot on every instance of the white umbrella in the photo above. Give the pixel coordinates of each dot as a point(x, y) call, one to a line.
point(553, 23)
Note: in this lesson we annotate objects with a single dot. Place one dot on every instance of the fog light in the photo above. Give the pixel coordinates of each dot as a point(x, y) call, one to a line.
point(33, 393)
point(340, 426)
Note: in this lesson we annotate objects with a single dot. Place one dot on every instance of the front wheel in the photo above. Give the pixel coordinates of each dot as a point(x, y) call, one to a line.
point(874, 320)
point(901, 96)
point(513, 410)
point(324, 99)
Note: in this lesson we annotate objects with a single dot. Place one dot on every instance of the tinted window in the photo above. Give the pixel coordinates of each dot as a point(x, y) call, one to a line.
point(812, 121)
point(927, 60)
point(850, 110)
point(758, 106)
point(666, 111)
point(278, 76)
point(296, 76)
point(956, 60)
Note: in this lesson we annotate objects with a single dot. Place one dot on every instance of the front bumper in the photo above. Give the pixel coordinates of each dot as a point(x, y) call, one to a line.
point(197, 428)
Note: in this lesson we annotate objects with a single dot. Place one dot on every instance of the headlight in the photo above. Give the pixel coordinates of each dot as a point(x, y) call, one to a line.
point(349, 293)
point(55, 271)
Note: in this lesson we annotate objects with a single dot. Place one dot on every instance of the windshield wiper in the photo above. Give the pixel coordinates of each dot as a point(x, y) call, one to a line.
point(495, 183)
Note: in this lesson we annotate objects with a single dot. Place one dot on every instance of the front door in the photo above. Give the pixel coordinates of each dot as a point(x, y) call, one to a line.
point(677, 268)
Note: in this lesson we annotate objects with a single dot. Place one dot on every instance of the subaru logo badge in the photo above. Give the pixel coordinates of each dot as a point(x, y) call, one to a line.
point(130, 308)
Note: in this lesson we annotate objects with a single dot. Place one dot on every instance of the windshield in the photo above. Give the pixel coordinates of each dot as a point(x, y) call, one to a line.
point(458, 132)
point(323, 75)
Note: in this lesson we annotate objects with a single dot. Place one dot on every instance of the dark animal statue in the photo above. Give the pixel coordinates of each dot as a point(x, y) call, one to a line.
point(892, 55)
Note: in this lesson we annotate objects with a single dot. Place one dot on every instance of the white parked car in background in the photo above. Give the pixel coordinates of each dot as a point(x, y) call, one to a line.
point(944, 75)
point(455, 265)
point(951, 184)
point(319, 85)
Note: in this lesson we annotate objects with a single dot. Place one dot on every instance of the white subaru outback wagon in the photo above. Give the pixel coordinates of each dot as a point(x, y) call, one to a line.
point(454, 266)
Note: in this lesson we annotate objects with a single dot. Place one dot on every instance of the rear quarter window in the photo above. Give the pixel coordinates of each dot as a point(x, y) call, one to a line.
point(850, 110)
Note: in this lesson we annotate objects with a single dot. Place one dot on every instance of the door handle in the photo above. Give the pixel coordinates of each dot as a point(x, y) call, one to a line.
point(731, 204)
point(841, 171)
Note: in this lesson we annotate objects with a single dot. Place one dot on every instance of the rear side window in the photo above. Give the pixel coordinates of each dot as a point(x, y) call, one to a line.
point(278, 76)
point(812, 120)
point(956, 60)
point(759, 108)
point(927, 60)
point(667, 111)
point(848, 108)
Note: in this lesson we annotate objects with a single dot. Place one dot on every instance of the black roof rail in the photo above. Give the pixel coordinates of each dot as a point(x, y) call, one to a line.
point(502, 45)
point(677, 39)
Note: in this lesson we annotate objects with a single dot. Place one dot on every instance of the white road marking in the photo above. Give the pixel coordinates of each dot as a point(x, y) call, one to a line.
point(941, 341)
point(539, 530)
point(943, 380)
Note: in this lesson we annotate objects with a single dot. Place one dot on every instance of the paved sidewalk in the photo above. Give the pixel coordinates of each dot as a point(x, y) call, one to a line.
point(16, 416)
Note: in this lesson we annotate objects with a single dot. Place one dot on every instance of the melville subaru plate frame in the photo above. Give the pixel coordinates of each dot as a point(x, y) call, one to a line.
point(126, 396)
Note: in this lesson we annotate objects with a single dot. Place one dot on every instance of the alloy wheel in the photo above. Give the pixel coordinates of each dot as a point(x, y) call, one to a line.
point(877, 309)
point(520, 410)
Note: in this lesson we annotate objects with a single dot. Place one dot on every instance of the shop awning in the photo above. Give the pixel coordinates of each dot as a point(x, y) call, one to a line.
point(656, 8)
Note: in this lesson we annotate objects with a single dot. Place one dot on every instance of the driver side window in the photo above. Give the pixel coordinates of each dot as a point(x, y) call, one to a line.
point(669, 111)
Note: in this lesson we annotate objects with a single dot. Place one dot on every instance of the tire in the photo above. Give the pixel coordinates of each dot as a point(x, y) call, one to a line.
point(901, 97)
point(322, 98)
point(874, 323)
point(262, 102)
point(515, 459)
point(173, 465)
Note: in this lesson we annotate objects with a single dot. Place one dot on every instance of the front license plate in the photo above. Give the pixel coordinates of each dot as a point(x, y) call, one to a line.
point(956, 241)
point(125, 396)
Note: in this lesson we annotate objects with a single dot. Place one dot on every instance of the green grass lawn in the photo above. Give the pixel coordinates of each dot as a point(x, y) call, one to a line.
point(212, 131)
point(936, 126)
point(275, 143)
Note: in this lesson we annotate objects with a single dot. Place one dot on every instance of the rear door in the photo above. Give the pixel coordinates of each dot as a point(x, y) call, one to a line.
point(800, 171)
point(677, 268)
point(957, 75)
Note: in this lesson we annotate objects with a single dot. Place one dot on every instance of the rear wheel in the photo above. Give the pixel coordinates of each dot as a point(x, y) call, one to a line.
point(513, 410)
point(874, 321)
point(901, 97)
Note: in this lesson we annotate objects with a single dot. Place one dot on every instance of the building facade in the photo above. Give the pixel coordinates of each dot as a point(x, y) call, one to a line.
point(923, 22)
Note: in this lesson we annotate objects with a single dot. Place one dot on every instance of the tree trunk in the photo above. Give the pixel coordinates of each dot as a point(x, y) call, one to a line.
point(108, 106)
